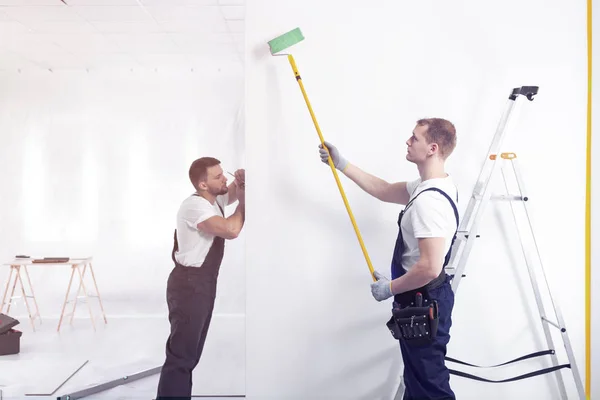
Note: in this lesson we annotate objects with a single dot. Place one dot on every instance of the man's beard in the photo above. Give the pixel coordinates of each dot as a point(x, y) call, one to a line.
point(220, 192)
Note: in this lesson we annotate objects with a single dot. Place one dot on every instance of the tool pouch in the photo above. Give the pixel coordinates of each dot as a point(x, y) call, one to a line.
point(416, 325)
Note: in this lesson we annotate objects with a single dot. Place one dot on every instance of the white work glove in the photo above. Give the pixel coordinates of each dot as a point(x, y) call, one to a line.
point(339, 162)
point(381, 289)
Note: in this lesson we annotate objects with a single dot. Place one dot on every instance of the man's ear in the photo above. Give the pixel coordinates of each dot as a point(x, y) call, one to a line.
point(202, 185)
point(433, 148)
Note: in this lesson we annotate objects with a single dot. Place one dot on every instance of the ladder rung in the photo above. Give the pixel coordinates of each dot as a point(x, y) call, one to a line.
point(20, 297)
point(503, 197)
point(78, 301)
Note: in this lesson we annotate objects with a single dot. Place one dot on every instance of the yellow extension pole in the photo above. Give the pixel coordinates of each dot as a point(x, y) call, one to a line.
point(337, 179)
point(588, 214)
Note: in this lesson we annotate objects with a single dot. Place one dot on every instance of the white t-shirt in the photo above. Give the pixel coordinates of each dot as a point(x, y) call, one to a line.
point(194, 244)
point(430, 215)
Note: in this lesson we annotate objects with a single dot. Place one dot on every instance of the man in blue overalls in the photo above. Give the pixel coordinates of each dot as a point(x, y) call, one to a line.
point(427, 229)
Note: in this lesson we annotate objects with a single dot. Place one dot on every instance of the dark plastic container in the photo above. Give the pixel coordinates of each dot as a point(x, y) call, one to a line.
point(10, 339)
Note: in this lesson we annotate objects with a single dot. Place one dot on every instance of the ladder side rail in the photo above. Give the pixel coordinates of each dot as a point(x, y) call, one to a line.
point(556, 308)
point(535, 287)
point(512, 106)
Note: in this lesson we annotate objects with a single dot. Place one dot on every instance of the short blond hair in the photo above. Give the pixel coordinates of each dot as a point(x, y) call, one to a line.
point(442, 132)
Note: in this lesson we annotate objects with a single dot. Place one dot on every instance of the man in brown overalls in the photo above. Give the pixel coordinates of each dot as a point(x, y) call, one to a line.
point(199, 244)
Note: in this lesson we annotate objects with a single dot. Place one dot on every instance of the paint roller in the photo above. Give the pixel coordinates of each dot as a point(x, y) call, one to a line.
point(276, 47)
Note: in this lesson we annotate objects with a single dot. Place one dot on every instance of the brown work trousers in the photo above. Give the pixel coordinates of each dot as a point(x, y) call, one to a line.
point(191, 293)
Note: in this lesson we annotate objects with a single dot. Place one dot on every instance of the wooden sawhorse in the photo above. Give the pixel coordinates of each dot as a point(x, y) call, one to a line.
point(17, 267)
point(81, 265)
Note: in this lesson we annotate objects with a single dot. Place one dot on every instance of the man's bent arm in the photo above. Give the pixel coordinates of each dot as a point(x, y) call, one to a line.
point(428, 267)
point(227, 228)
point(232, 192)
point(377, 187)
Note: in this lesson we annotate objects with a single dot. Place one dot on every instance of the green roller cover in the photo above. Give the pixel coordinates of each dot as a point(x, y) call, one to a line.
point(286, 40)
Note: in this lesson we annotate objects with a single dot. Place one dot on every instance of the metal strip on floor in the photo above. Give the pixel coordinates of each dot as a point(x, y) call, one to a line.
point(126, 379)
point(110, 384)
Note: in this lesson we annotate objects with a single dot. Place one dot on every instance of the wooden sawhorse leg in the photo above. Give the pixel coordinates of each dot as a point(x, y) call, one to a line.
point(37, 310)
point(98, 294)
point(87, 296)
point(17, 269)
point(6, 291)
point(62, 313)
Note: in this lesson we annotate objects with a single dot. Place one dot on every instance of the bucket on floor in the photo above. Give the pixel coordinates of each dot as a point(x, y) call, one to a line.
point(10, 339)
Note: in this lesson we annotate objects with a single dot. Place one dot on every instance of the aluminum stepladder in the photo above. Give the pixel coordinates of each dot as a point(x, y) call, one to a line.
point(468, 232)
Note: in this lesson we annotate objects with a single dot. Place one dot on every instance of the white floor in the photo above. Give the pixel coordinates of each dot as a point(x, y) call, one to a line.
point(122, 347)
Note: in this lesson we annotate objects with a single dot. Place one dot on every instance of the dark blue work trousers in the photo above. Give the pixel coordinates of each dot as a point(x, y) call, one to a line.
point(426, 376)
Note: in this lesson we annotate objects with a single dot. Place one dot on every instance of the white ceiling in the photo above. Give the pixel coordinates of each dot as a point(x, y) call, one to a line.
point(80, 34)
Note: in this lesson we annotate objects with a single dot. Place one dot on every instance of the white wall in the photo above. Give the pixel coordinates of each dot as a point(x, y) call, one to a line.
point(313, 328)
point(95, 164)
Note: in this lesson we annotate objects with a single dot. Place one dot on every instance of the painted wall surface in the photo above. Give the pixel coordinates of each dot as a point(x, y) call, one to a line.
point(370, 71)
point(96, 164)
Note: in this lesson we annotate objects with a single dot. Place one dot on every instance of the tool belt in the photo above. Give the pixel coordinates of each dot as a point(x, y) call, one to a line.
point(415, 316)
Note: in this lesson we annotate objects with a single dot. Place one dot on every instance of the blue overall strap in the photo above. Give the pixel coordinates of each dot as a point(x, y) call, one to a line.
point(447, 258)
point(445, 195)
point(396, 265)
